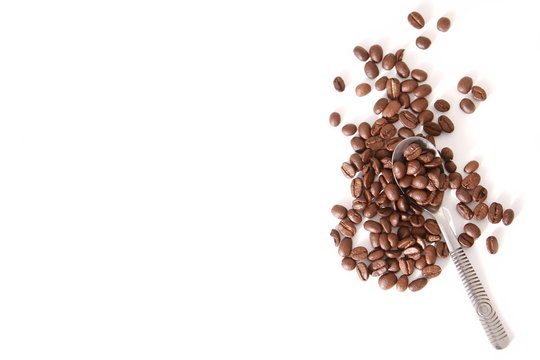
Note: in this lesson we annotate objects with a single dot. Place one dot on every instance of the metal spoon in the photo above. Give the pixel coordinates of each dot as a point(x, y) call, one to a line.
point(479, 298)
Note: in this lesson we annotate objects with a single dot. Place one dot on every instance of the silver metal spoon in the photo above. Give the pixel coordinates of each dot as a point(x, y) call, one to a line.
point(479, 298)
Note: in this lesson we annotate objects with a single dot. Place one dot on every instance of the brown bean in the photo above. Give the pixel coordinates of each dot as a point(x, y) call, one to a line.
point(508, 216)
point(363, 89)
point(431, 271)
point(348, 263)
point(472, 230)
point(339, 84)
point(492, 244)
point(387, 280)
point(345, 247)
point(464, 85)
point(478, 93)
point(418, 284)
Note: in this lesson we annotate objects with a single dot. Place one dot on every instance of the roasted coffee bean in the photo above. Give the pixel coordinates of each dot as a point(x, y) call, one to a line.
point(383, 242)
point(418, 284)
point(389, 61)
point(406, 243)
point(406, 266)
point(451, 167)
point(480, 211)
point(508, 216)
point(359, 253)
point(464, 211)
point(442, 105)
point(391, 109)
point(467, 106)
point(406, 181)
point(393, 88)
point(430, 254)
point(399, 169)
point(374, 239)
point(387, 280)
point(492, 244)
point(388, 131)
point(402, 283)
point(392, 143)
point(404, 100)
point(354, 216)
point(380, 84)
point(358, 144)
point(348, 264)
point(339, 84)
point(375, 188)
point(376, 53)
point(335, 236)
point(335, 119)
point(412, 252)
point(413, 167)
point(419, 75)
point(419, 182)
point(471, 181)
point(412, 151)
point(431, 271)
point(371, 70)
point(408, 119)
point(420, 263)
point(422, 91)
point(392, 192)
point(349, 129)
point(495, 213)
point(370, 211)
point(356, 187)
point(423, 42)
point(360, 53)
point(471, 166)
point(455, 180)
point(432, 128)
point(432, 227)
point(416, 220)
point(443, 24)
point(356, 160)
point(345, 247)
point(348, 170)
point(446, 124)
point(362, 271)
point(376, 254)
point(419, 196)
point(399, 54)
point(378, 269)
point(402, 69)
point(364, 130)
point(380, 105)
point(373, 226)
point(478, 93)
point(416, 20)
point(347, 227)
point(472, 230)
point(425, 116)
point(405, 132)
point(464, 85)
point(479, 194)
point(374, 142)
point(363, 89)
point(442, 249)
point(419, 105)
point(447, 153)
point(408, 86)
point(391, 262)
point(465, 240)
point(463, 195)
point(339, 211)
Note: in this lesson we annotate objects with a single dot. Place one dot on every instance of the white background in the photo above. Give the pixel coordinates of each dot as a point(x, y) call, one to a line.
point(167, 171)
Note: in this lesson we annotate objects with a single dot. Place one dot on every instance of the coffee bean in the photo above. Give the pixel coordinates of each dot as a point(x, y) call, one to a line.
point(404, 100)
point(431, 271)
point(413, 167)
point(363, 89)
point(371, 210)
point(339, 211)
point(419, 105)
point(443, 24)
point(423, 42)
point(419, 75)
point(348, 170)
point(349, 129)
point(361, 53)
point(430, 254)
point(345, 247)
point(471, 181)
point(418, 284)
point(387, 280)
point(392, 192)
point(359, 253)
point(373, 226)
point(374, 142)
point(413, 252)
point(371, 70)
point(419, 182)
point(455, 180)
point(393, 88)
point(451, 167)
point(376, 53)
point(442, 249)
point(389, 61)
point(405, 243)
point(354, 216)
point(362, 271)
point(447, 153)
point(467, 106)
point(508, 216)
point(463, 195)
point(419, 196)
point(472, 230)
point(416, 20)
point(425, 116)
point(406, 266)
point(464, 85)
point(492, 244)
point(348, 263)
point(356, 187)
point(402, 283)
point(358, 144)
point(432, 227)
point(479, 194)
point(465, 240)
point(464, 211)
point(376, 254)
point(478, 93)
point(339, 84)
point(495, 213)
point(391, 109)
point(378, 268)
point(432, 128)
point(442, 105)
point(408, 119)
point(380, 105)
point(364, 130)
point(380, 84)
point(356, 160)
point(399, 169)
point(422, 91)
point(335, 236)
point(347, 227)
point(402, 69)
point(416, 220)
point(383, 242)
point(409, 85)
point(480, 211)
point(412, 151)
point(335, 119)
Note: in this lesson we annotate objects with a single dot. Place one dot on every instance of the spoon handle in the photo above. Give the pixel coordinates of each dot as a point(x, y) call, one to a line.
point(480, 300)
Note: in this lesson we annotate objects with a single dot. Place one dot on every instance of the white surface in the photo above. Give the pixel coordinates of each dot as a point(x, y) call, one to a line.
point(167, 171)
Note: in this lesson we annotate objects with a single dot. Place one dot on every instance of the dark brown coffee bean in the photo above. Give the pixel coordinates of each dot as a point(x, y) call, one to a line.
point(393, 88)
point(423, 42)
point(467, 106)
point(425, 116)
point(348, 264)
point(362, 271)
point(335, 119)
point(431, 271)
point(442, 105)
point(402, 69)
point(447, 153)
point(492, 244)
point(479, 194)
point(472, 230)
point(412, 151)
point(419, 196)
point(391, 109)
point(471, 181)
point(339, 211)
point(495, 213)
point(471, 166)
point(446, 124)
point(392, 192)
point(442, 249)
point(478, 93)
point(371, 210)
point(363, 89)
point(399, 54)
point(374, 142)
point(464, 211)
point(418, 284)
point(356, 187)
point(371, 70)
point(373, 226)
point(383, 242)
point(465, 240)
point(480, 211)
point(358, 144)
point(349, 129)
point(413, 167)
point(451, 167)
point(348, 170)
point(408, 119)
point(508, 216)
point(389, 61)
point(376, 254)
point(443, 24)
point(347, 227)
point(406, 181)
point(339, 84)
point(419, 75)
point(430, 254)
point(404, 100)
point(387, 280)
point(419, 105)
point(416, 20)
point(455, 180)
point(380, 105)
point(364, 130)
point(422, 91)
point(376, 53)
point(388, 131)
point(336, 237)
point(345, 247)
point(360, 53)
point(406, 266)
point(419, 182)
point(402, 283)
point(408, 86)
point(359, 253)
point(432, 227)
point(406, 243)
point(404, 132)
point(464, 85)
point(399, 169)
point(416, 220)
point(378, 268)
point(463, 195)
point(356, 160)
point(354, 216)
point(432, 128)
point(380, 84)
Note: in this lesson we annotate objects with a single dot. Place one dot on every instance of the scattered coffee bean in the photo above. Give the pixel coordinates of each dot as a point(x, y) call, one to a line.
point(443, 24)
point(431, 271)
point(393, 88)
point(376, 53)
point(363, 89)
point(402, 69)
point(471, 181)
point(339, 211)
point(432, 227)
point(422, 91)
point(409, 85)
point(479, 194)
point(431, 253)
point(442, 249)
point(508, 216)
point(349, 129)
point(335, 119)
point(472, 230)
point(464, 85)
point(359, 253)
point(389, 61)
point(481, 211)
point(455, 180)
point(347, 227)
point(419, 75)
point(446, 124)
point(418, 284)
point(423, 42)
point(463, 195)
point(361, 53)
point(371, 70)
point(465, 240)
point(391, 109)
point(442, 105)
point(471, 166)
point(380, 84)
point(419, 105)
point(467, 106)
point(464, 211)
point(402, 283)
point(339, 84)
point(492, 244)
point(495, 213)
point(345, 247)
point(416, 20)
point(433, 128)
point(387, 280)
point(354, 216)
point(478, 93)
point(348, 263)
point(373, 226)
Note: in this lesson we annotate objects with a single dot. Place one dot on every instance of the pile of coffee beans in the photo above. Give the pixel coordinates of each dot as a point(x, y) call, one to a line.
point(404, 244)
